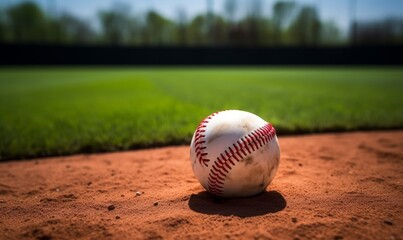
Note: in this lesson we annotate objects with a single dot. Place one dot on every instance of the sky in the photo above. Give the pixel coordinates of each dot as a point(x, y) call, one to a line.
point(330, 10)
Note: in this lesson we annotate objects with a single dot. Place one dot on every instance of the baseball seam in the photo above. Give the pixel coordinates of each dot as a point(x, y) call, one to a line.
point(199, 144)
point(242, 148)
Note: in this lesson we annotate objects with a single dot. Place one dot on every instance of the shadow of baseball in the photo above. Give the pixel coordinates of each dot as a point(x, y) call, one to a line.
point(264, 203)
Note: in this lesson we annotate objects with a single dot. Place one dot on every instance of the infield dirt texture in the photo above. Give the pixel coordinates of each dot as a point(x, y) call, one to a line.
point(329, 186)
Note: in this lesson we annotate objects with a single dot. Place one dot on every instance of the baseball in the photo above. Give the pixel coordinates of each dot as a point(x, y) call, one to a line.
point(234, 153)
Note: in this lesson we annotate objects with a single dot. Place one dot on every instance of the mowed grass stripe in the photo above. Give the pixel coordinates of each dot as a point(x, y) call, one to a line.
point(57, 111)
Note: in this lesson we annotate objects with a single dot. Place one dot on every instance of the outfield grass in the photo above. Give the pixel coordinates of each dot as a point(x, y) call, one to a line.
point(50, 111)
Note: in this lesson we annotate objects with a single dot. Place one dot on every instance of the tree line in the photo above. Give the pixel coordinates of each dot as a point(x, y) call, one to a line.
point(290, 24)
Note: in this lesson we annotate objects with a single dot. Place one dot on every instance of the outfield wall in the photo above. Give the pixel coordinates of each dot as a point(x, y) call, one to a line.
point(107, 55)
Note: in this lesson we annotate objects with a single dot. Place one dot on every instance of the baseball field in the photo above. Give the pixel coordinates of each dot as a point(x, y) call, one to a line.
point(59, 111)
point(103, 153)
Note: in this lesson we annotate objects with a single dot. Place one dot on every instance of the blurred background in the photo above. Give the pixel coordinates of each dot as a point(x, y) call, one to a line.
point(256, 23)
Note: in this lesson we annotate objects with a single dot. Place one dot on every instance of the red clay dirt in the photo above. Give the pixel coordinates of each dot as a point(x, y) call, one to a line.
point(329, 186)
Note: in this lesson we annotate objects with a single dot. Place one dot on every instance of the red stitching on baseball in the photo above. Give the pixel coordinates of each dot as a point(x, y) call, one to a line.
point(233, 154)
point(201, 155)
point(246, 143)
point(257, 137)
point(217, 177)
point(221, 164)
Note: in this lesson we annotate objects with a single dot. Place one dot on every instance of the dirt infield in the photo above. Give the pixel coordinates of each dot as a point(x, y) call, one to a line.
point(331, 186)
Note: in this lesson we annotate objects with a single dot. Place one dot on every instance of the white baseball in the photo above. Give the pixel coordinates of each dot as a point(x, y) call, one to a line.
point(234, 153)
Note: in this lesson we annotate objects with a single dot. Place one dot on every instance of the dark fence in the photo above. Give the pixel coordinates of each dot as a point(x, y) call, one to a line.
point(106, 55)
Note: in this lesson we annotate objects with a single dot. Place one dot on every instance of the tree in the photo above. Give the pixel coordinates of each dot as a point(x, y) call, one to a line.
point(181, 27)
point(3, 27)
point(230, 7)
point(75, 30)
point(217, 30)
point(385, 31)
point(116, 24)
point(282, 13)
point(27, 23)
point(330, 33)
point(253, 22)
point(158, 30)
point(305, 30)
point(198, 30)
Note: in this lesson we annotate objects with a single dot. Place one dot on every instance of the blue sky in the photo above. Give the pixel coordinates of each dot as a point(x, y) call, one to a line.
point(335, 10)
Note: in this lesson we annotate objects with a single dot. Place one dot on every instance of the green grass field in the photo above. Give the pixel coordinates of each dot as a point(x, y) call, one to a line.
point(56, 111)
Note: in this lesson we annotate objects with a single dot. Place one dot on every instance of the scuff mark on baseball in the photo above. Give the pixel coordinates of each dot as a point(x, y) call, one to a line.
point(234, 153)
